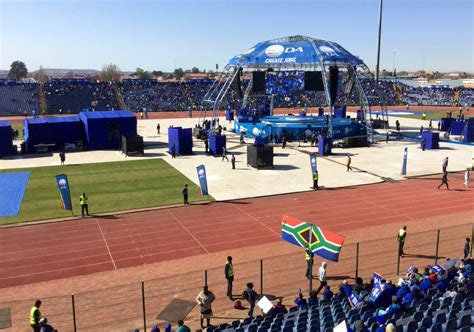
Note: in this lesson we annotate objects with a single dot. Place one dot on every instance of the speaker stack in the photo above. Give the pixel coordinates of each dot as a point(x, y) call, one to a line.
point(333, 81)
point(258, 84)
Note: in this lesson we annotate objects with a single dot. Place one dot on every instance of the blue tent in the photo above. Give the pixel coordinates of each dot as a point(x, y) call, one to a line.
point(54, 130)
point(6, 139)
point(103, 130)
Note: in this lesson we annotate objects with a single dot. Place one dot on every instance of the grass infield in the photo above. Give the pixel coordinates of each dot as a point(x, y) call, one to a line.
point(113, 186)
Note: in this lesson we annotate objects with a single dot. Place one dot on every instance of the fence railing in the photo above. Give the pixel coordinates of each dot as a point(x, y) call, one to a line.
point(136, 305)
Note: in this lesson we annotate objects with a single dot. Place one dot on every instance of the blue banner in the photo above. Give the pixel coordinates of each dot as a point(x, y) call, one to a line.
point(314, 163)
point(63, 186)
point(201, 170)
point(376, 291)
point(354, 299)
point(437, 269)
point(377, 278)
point(405, 157)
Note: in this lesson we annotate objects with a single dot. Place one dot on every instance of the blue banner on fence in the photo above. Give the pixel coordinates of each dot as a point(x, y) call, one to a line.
point(376, 291)
point(201, 170)
point(354, 299)
point(377, 278)
point(405, 157)
point(314, 163)
point(63, 186)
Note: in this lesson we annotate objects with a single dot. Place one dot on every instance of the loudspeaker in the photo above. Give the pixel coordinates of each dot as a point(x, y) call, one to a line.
point(237, 84)
point(333, 81)
point(349, 86)
point(313, 81)
point(259, 156)
point(258, 78)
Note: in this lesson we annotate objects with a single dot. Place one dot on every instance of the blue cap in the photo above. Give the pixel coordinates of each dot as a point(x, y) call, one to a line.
point(155, 328)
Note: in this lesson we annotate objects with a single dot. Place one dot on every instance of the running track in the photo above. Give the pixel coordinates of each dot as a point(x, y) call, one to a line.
point(79, 247)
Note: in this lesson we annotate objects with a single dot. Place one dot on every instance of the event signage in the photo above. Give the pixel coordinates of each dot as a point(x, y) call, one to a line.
point(377, 278)
point(314, 163)
point(63, 186)
point(437, 269)
point(404, 165)
point(376, 291)
point(201, 171)
point(354, 299)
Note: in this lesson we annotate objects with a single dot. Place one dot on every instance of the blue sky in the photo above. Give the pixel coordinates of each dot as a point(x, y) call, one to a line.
point(163, 35)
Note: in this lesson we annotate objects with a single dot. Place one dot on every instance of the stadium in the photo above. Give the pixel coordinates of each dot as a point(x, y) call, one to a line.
point(294, 189)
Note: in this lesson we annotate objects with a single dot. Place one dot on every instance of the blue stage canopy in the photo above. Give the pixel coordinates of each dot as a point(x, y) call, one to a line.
point(295, 50)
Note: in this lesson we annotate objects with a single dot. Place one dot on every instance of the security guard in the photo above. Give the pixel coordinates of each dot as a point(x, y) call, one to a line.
point(315, 180)
point(35, 316)
point(84, 205)
point(229, 275)
point(309, 261)
point(402, 235)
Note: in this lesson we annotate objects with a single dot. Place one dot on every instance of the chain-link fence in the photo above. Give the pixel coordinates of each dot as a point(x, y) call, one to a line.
point(125, 307)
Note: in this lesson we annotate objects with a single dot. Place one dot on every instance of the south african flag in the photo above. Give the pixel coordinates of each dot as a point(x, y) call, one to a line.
point(322, 243)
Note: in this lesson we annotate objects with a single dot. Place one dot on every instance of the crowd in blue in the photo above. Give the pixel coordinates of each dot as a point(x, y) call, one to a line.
point(70, 96)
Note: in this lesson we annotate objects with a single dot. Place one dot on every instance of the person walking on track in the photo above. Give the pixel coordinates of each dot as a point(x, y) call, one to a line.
point(84, 204)
point(205, 299)
point(322, 276)
point(232, 160)
point(445, 164)
point(466, 178)
point(35, 316)
point(444, 180)
point(229, 276)
point(401, 237)
point(348, 162)
point(185, 194)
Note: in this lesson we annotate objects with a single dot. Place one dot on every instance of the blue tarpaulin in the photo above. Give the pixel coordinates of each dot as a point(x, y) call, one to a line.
point(12, 188)
point(54, 130)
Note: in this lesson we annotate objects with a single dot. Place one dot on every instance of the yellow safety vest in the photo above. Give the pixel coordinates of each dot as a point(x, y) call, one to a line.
point(315, 176)
point(229, 269)
point(35, 315)
point(83, 200)
point(308, 255)
point(402, 235)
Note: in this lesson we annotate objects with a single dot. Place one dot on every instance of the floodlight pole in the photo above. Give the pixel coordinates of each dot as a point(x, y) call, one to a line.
point(377, 67)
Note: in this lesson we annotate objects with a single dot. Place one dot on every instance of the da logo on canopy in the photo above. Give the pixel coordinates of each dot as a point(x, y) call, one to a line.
point(274, 50)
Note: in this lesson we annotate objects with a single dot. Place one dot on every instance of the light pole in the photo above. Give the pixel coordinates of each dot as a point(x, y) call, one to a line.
point(393, 64)
point(378, 43)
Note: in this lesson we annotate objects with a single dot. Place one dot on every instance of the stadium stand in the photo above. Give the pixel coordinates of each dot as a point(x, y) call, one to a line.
point(17, 98)
point(435, 300)
point(68, 96)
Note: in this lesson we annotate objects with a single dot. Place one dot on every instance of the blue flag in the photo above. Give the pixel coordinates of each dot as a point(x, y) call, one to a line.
point(63, 186)
point(314, 163)
point(376, 291)
point(377, 278)
point(405, 157)
point(437, 269)
point(201, 170)
point(354, 299)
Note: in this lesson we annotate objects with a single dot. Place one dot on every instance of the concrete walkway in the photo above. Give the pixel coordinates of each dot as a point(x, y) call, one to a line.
point(291, 172)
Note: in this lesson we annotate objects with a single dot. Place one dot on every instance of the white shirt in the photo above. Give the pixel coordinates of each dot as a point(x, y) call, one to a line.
point(322, 274)
point(466, 177)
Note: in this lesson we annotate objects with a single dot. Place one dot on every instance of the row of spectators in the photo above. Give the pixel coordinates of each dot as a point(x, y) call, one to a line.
point(72, 96)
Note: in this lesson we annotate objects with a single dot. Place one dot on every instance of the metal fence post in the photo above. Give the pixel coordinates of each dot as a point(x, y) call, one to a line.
point(205, 277)
point(472, 238)
point(437, 247)
point(261, 277)
point(73, 313)
point(143, 305)
point(357, 259)
point(398, 259)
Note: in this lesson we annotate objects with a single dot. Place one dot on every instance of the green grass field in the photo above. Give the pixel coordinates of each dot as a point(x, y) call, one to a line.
point(433, 115)
point(114, 186)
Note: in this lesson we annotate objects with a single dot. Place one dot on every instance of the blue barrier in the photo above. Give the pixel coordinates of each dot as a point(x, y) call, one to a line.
point(217, 144)
point(181, 139)
point(6, 139)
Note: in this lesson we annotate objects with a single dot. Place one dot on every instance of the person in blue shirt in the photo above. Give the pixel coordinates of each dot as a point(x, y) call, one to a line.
point(404, 289)
point(300, 301)
point(327, 294)
point(345, 290)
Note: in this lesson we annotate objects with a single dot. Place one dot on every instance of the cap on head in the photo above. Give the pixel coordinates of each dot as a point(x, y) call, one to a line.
point(155, 328)
point(37, 303)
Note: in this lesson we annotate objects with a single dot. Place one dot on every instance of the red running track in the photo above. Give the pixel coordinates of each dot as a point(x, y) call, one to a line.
point(66, 249)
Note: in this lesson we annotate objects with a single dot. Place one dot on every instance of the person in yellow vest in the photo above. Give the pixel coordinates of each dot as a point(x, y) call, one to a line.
point(402, 235)
point(423, 116)
point(229, 275)
point(315, 180)
point(35, 316)
point(309, 255)
point(84, 205)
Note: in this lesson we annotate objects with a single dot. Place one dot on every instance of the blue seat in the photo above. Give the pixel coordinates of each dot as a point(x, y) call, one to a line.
point(412, 326)
point(426, 322)
point(465, 321)
point(450, 325)
point(239, 329)
point(440, 318)
point(288, 329)
point(437, 327)
point(252, 328)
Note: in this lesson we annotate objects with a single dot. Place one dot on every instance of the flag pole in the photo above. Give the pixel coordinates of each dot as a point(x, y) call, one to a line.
point(310, 258)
